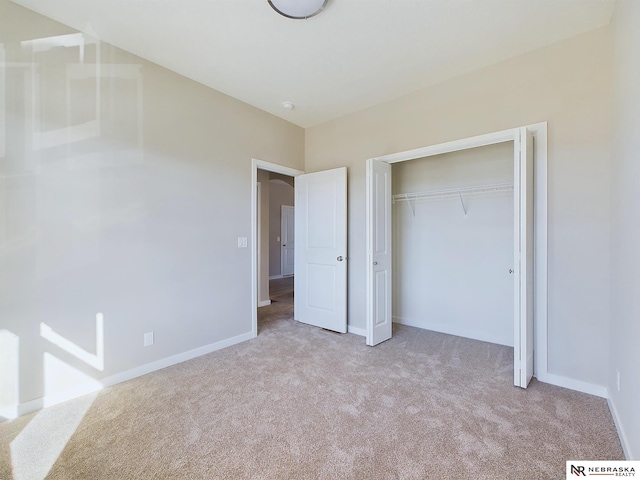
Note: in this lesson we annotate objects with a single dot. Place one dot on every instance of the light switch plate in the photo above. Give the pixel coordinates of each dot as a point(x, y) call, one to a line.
point(242, 242)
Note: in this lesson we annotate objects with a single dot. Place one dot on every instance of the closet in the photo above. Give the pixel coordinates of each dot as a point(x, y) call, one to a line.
point(453, 243)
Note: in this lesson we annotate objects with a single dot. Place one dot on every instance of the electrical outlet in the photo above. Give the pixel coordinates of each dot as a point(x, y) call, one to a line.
point(242, 242)
point(148, 339)
point(618, 379)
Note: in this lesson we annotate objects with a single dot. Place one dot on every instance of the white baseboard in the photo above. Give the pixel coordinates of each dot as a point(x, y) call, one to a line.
point(572, 384)
point(8, 413)
point(59, 397)
point(357, 331)
point(264, 303)
point(275, 277)
point(621, 432)
point(459, 332)
point(80, 390)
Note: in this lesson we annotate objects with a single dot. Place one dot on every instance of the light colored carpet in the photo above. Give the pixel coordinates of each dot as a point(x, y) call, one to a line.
point(300, 402)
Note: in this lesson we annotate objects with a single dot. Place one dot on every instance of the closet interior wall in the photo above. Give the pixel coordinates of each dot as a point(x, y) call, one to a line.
point(452, 254)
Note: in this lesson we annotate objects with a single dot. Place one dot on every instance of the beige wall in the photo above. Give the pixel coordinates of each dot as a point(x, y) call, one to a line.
point(123, 190)
point(625, 232)
point(568, 85)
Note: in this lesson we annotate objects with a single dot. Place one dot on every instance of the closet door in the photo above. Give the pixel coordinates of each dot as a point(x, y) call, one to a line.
point(379, 320)
point(523, 341)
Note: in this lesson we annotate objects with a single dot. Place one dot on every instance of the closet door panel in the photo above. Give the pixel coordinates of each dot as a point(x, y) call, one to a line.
point(379, 252)
point(523, 341)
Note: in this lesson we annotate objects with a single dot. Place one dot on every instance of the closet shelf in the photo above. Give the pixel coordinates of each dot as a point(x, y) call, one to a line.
point(453, 192)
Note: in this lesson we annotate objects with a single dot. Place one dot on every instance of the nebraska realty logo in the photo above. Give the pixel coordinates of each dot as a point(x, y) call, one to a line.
point(622, 468)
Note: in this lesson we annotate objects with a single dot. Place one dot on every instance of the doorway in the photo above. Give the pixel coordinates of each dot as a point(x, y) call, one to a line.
point(274, 195)
point(320, 274)
point(256, 166)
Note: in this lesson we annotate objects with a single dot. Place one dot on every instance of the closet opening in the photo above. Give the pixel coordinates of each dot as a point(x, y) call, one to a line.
point(528, 271)
point(453, 243)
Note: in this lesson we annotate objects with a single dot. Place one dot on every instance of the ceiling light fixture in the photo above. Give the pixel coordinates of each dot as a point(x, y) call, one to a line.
point(288, 105)
point(298, 9)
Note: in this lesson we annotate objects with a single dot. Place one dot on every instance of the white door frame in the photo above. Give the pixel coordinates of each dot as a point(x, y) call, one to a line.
point(261, 303)
point(270, 167)
point(539, 131)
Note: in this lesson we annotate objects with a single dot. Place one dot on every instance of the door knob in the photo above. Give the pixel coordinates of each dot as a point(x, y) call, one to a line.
point(340, 258)
point(375, 263)
point(511, 271)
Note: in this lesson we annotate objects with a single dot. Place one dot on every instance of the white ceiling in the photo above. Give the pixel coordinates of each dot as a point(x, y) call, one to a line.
point(354, 54)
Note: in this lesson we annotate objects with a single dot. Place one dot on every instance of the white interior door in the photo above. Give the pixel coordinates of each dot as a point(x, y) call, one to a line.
point(320, 268)
point(379, 252)
point(287, 240)
point(524, 252)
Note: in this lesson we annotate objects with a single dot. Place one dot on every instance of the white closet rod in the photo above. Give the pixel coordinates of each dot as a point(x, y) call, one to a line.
point(453, 192)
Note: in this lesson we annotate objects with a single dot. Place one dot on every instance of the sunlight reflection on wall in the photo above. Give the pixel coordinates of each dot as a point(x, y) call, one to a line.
point(71, 149)
point(61, 380)
point(95, 360)
point(38, 446)
point(67, 118)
